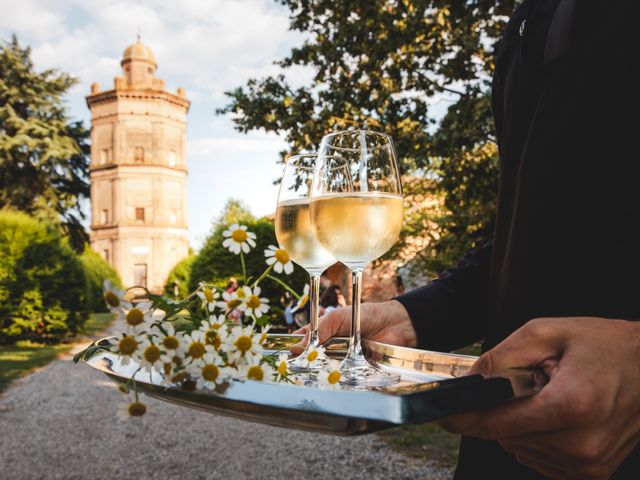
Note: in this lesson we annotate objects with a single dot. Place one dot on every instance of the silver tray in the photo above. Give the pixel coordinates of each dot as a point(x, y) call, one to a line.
point(433, 385)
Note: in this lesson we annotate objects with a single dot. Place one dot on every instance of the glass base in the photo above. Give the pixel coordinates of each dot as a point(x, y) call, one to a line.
point(357, 372)
point(300, 365)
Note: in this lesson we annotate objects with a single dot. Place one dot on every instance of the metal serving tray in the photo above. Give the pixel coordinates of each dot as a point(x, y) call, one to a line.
point(432, 386)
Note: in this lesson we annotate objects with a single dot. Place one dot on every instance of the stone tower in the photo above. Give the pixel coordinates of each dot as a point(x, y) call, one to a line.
point(138, 172)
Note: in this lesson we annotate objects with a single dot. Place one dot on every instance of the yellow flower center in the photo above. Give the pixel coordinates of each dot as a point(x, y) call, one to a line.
point(231, 304)
point(111, 299)
point(212, 338)
point(240, 293)
point(255, 373)
point(208, 294)
point(170, 343)
point(263, 338)
point(311, 356)
point(177, 360)
point(282, 256)
point(135, 317)
point(239, 235)
point(151, 354)
point(167, 368)
point(179, 377)
point(137, 409)
point(283, 369)
point(303, 301)
point(196, 350)
point(334, 377)
point(210, 372)
point(216, 325)
point(243, 343)
point(128, 345)
point(253, 302)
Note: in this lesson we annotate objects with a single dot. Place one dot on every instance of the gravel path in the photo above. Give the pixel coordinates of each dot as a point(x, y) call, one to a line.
point(62, 422)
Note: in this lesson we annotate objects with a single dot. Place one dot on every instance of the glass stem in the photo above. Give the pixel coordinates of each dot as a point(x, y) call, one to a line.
point(355, 342)
point(314, 299)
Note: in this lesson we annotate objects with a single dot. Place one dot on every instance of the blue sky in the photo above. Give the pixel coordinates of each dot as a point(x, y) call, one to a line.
point(205, 46)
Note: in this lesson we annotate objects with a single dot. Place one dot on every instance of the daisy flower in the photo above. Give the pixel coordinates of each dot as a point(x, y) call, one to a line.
point(195, 345)
point(264, 334)
point(149, 355)
point(115, 297)
point(211, 329)
point(128, 410)
point(312, 354)
point(255, 306)
point(279, 258)
point(209, 371)
point(238, 238)
point(208, 296)
point(257, 372)
point(282, 367)
point(242, 345)
point(127, 347)
point(231, 301)
point(138, 318)
point(330, 377)
point(302, 301)
point(167, 339)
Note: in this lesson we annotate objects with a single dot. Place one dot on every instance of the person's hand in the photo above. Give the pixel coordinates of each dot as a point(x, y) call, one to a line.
point(586, 420)
point(386, 322)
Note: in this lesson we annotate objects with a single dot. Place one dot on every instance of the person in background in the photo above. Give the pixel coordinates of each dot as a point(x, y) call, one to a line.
point(331, 299)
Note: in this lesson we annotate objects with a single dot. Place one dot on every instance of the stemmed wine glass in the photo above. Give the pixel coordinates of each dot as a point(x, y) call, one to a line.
point(294, 233)
point(357, 218)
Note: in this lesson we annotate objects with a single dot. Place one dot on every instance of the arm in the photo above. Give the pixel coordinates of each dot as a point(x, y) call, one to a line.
point(451, 311)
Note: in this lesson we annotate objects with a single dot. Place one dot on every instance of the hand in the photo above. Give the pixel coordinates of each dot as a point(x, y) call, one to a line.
point(586, 420)
point(386, 322)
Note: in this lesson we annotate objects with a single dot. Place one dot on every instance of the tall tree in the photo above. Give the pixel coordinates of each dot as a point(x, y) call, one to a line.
point(43, 155)
point(382, 64)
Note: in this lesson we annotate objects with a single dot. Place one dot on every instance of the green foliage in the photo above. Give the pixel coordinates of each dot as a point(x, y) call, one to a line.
point(216, 264)
point(97, 270)
point(180, 276)
point(380, 65)
point(43, 155)
point(43, 287)
point(235, 211)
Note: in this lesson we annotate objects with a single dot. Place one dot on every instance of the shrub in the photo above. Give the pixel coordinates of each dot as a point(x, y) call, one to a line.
point(43, 287)
point(216, 264)
point(97, 270)
point(180, 275)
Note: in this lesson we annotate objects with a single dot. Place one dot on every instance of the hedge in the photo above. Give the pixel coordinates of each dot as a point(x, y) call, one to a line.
point(97, 270)
point(43, 286)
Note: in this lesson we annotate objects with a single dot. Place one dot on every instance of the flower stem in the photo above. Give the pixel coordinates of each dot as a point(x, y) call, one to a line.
point(261, 277)
point(244, 268)
point(284, 285)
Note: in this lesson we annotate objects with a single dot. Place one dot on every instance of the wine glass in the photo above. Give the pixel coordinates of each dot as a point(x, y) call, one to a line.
point(357, 218)
point(294, 233)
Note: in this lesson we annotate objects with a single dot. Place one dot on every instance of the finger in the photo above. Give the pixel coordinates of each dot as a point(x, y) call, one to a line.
point(298, 348)
point(553, 409)
point(336, 323)
point(529, 346)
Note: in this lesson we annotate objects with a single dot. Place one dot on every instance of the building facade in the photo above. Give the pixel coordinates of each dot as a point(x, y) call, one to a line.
point(138, 172)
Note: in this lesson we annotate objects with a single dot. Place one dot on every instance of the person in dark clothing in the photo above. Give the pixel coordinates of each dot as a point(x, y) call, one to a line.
point(558, 287)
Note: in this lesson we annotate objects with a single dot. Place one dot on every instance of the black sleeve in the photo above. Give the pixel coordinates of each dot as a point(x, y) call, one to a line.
point(451, 311)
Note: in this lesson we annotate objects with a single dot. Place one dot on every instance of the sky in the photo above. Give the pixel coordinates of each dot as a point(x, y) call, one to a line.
point(205, 46)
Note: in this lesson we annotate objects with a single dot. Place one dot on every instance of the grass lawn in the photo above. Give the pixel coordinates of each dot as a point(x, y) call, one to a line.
point(19, 359)
point(428, 441)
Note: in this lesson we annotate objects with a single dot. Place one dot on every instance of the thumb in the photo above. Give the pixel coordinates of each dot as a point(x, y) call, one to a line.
point(335, 323)
point(531, 346)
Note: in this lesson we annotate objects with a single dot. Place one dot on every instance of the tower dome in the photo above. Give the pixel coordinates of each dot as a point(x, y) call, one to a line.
point(138, 52)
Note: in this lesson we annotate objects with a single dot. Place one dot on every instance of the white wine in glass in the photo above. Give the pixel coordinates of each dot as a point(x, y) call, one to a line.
point(357, 217)
point(294, 233)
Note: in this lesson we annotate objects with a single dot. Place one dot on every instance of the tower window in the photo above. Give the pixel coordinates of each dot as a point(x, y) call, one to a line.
point(171, 158)
point(105, 255)
point(104, 217)
point(139, 154)
point(140, 214)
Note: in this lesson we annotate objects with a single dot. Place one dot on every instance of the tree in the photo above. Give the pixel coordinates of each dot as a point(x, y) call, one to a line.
point(234, 211)
point(43, 285)
point(97, 270)
point(380, 64)
point(43, 155)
